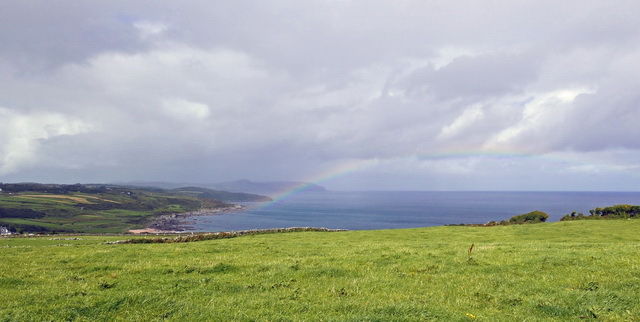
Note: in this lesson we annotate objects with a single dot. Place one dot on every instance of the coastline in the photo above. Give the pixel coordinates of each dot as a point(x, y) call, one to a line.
point(179, 222)
point(396, 209)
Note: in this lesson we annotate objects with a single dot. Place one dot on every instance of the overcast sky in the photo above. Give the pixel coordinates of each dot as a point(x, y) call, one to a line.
point(387, 95)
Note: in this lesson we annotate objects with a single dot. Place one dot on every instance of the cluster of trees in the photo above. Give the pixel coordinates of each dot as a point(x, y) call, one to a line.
point(529, 218)
point(27, 228)
point(20, 213)
point(613, 212)
point(533, 217)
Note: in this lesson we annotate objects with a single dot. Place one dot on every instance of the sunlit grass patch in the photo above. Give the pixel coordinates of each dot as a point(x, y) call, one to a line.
point(58, 198)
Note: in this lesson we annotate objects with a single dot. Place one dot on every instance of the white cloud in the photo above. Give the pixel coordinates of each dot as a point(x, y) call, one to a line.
point(23, 134)
point(467, 118)
point(148, 29)
point(541, 113)
point(185, 111)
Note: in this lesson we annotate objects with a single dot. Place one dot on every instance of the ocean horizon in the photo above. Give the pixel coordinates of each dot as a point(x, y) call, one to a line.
point(370, 210)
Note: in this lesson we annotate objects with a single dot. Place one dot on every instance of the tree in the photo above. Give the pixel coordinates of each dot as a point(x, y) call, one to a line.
point(529, 218)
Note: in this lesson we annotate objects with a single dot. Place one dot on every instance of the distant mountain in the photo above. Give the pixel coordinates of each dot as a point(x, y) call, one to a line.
point(265, 188)
point(155, 184)
point(220, 195)
point(270, 188)
point(200, 191)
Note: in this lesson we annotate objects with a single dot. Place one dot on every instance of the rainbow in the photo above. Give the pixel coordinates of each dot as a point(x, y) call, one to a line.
point(332, 173)
point(351, 166)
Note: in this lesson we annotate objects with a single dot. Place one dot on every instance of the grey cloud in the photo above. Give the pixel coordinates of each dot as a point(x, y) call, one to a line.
point(606, 121)
point(477, 77)
point(40, 35)
point(284, 90)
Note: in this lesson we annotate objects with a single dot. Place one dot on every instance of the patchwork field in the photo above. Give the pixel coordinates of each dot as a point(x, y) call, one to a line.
point(551, 271)
point(97, 208)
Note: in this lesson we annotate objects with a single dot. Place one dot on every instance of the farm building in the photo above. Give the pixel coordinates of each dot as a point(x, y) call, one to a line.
point(4, 230)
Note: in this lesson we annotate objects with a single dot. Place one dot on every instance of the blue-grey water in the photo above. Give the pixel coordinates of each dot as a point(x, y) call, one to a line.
point(396, 209)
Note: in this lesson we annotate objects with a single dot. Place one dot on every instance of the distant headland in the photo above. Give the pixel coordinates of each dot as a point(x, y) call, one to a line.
point(267, 188)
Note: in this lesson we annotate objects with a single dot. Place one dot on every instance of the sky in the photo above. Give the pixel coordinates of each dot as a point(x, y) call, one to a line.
point(352, 95)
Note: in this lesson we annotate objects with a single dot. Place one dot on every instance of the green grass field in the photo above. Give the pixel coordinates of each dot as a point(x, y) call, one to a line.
point(565, 271)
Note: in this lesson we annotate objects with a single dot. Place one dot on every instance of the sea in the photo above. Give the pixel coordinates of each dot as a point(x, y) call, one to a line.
point(372, 210)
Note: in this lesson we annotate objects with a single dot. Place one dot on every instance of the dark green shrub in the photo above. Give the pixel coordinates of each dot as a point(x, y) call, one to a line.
point(613, 212)
point(529, 218)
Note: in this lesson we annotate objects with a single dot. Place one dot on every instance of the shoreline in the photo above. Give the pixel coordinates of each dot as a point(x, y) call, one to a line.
point(179, 222)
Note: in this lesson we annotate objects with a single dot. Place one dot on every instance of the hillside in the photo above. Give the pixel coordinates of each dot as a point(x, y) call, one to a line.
point(32, 207)
point(268, 188)
point(221, 195)
point(561, 271)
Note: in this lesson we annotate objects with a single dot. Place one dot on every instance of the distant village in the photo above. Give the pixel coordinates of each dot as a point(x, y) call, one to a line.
point(5, 231)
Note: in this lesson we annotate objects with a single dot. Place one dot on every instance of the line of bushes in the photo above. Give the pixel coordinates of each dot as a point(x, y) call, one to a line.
point(20, 213)
point(219, 235)
point(27, 228)
point(533, 217)
point(614, 212)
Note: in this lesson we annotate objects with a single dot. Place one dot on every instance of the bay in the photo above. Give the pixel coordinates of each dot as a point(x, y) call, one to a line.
point(405, 209)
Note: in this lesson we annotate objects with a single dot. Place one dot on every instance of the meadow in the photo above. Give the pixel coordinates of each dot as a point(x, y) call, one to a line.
point(551, 271)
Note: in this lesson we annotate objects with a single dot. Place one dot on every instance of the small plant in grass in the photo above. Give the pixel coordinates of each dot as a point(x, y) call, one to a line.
point(470, 253)
point(106, 285)
point(339, 292)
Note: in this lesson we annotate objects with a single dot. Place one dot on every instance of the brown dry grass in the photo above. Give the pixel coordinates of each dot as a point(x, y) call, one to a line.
point(76, 199)
point(82, 200)
point(101, 199)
